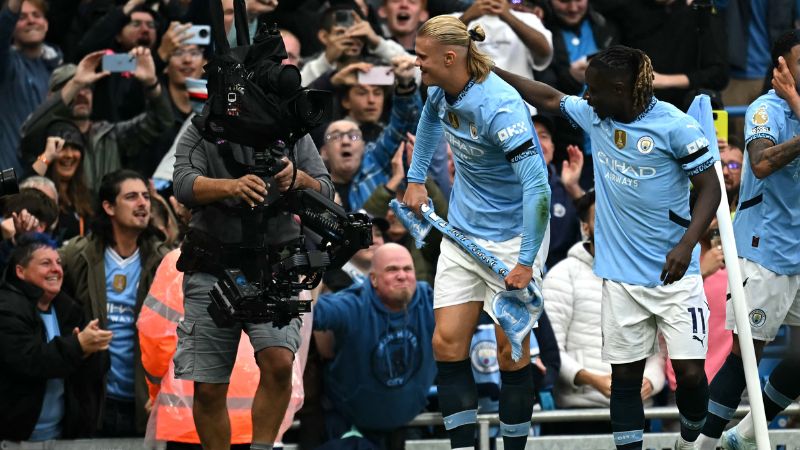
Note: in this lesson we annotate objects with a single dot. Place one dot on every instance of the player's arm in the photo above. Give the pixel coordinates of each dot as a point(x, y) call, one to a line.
point(527, 164)
point(540, 95)
point(766, 157)
point(429, 132)
point(706, 184)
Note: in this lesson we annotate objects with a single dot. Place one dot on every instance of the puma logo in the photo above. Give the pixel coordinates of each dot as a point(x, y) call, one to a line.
point(702, 344)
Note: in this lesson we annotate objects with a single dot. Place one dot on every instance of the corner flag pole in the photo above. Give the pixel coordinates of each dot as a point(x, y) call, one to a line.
point(740, 312)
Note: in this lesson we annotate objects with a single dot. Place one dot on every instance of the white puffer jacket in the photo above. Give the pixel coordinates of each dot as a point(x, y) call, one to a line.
point(572, 294)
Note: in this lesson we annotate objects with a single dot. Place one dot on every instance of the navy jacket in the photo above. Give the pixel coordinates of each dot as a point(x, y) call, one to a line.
point(384, 362)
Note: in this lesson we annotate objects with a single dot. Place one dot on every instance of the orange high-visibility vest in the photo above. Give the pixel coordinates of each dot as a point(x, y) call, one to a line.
point(171, 417)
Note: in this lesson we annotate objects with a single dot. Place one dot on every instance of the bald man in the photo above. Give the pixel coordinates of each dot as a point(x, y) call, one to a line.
point(382, 364)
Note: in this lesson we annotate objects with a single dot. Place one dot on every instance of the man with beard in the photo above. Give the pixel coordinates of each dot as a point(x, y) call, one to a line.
point(379, 376)
point(732, 158)
point(110, 272)
point(403, 18)
point(25, 67)
point(109, 145)
point(121, 30)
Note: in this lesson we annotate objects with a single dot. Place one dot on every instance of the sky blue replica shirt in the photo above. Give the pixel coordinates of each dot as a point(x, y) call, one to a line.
point(767, 222)
point(122, 279)
point(48, 426)
point(641, 172)
point(500, 188)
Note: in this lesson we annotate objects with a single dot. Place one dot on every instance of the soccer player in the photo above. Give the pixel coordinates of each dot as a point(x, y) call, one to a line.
point(500, 198)
point(645, 152)
point(768, 243)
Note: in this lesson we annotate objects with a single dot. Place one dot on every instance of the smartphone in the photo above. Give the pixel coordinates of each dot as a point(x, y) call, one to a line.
point(343, 18)
point(201, 35)
point(721, 123)
point(377, 76)
point(119, 62)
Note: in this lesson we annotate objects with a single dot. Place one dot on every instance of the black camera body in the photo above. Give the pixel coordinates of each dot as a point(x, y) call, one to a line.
point(8, 182)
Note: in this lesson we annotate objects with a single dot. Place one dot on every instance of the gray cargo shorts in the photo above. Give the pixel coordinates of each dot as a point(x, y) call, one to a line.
point(205, 352)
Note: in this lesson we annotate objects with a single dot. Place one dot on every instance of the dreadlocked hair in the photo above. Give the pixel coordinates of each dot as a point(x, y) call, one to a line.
point(448, 30)
point(632, 63)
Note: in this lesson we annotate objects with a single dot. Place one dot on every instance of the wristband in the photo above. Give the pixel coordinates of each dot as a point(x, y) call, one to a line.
point(151, 87)
point(43, 159)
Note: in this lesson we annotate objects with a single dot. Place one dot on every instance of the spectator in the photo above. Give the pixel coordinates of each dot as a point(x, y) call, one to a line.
point(292, 45)
point(186, 61)
point(403, 18)
point(573, 298)
point(686, 44)
point(578, 32)
point(122, 29)
point(111, 271)
point(732, 158)
point(564, 224)
point(382, 366)
point(62, 163)
point(358, 168)
point(516, 41)
point(52, 360)
point(25, 66)
point(255, 8)
point(109, 145)
point(347, 44)
point(43, 184)
point(31, 210)
point(361, 103)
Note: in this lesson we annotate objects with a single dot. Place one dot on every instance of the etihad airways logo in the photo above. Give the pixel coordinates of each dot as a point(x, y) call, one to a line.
point(639, 172)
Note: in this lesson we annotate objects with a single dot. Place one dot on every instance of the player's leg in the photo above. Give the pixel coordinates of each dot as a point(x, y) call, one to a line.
point(458, 301)
point(682, 316)
point(629, 337)
point(627, 411)
point(458, 395)
point(764, 291)
point(516, 392)
point(783, 386)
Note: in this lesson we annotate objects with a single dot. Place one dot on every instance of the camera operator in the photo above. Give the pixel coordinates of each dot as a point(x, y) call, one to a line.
point(206, 353)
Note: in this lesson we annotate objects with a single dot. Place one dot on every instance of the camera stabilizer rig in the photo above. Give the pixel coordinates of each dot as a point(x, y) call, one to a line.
point(257, 102)
point(291, 267)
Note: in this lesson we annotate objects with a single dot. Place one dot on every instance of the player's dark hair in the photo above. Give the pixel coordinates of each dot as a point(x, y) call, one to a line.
point(631, 63)
point(783, 45)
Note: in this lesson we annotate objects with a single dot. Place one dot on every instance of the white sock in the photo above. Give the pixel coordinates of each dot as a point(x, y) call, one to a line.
point(704, 442)
point(682, 443)
point(746, 428)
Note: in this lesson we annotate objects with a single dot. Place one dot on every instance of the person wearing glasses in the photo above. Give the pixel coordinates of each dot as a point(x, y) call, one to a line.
point(358, 167)
point(731, 157)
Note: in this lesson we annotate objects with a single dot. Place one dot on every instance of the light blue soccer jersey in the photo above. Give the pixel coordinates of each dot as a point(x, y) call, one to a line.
point(497, 161)
point(767, 222)
point(641, 172)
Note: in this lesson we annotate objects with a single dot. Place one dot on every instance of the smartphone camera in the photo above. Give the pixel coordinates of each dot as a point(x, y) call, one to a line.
point(201, 35)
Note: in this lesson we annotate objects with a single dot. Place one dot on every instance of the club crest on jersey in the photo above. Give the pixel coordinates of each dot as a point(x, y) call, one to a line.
point(620, 139)
point(758, 317)
point(453, 119)
point(120, 282)
point(760, 117)
point(473, 130)
point(645, 145)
